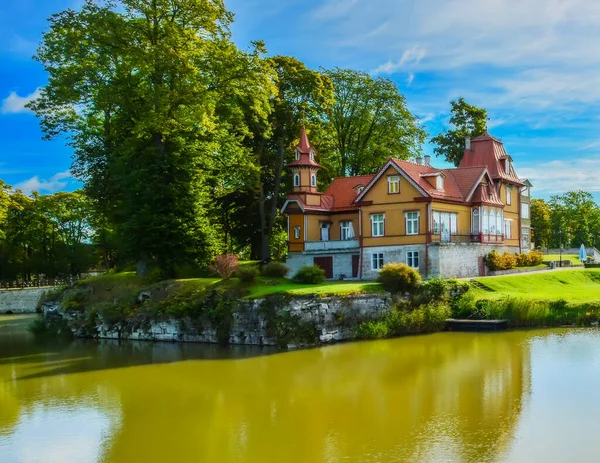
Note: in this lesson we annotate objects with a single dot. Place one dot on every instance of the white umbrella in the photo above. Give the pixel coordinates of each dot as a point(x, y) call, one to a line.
point(582, 253)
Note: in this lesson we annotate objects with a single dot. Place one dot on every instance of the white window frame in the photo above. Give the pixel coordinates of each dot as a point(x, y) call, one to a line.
point(439, 183)
point(379, 223)
point(507, 166)
point(412, 259)
point(377, 262)
point(507, 229)
point(508, 195)
point(345, 228)
point(296, 179)
point(297, 155)
point(410, 219)
point(526, 191)
point(313, 179)
point(525, 211)
point(393, 184)
point(297, 230)
point(476, 225)
point(312, 155)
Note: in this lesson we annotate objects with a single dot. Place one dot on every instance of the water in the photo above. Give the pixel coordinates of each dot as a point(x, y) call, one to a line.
point(519, 396)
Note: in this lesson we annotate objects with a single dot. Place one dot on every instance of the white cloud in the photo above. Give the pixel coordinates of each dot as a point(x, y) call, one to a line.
point(14, 104)
point(564, 175)
point(411, 57)
point(22, 46)
point(55, 183)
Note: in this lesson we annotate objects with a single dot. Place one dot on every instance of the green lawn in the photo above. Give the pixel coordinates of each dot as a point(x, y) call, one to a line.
point(265, 286)
point(556, 257)
point(572, 285)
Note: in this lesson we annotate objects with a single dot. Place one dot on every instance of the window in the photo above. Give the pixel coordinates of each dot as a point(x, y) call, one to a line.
point(297, 233)
point(313, 180)
point(476, 221)
point(296, 155)
point(485, 222)
point(508, 166)
point(525, 211)
point(412, 223)
point(526, 191)
point(445, 222)
point(508, 195)
point(346, 230)
point(507, 233)
point(412, 259)
point(439, 182)
point(499, 221)
point(377, 261)
point(359, 189)
point(296, 179)
point(394, 184)
point(312, 155)
point(377, 224)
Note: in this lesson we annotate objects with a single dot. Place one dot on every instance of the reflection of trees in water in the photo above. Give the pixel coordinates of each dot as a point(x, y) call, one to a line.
point(448, 396)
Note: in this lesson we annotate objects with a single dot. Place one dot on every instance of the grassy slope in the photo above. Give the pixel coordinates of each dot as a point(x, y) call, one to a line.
point(571, 285)
point(116, 286)
point(556, 257)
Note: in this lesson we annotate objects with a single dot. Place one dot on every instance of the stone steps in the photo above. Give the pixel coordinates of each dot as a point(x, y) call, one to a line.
point(479, 285)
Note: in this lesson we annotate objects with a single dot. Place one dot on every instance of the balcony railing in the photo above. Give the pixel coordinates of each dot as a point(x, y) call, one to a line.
point(470, 238)
point(334, 245)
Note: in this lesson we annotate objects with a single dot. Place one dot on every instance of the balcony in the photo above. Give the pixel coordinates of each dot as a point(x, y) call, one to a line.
point(331, 246)
point(478, 238)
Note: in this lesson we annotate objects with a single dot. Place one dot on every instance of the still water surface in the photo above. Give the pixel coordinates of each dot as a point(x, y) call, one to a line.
point(522, 396)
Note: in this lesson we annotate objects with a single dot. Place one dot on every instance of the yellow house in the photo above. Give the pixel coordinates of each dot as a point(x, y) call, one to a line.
point(439, 221)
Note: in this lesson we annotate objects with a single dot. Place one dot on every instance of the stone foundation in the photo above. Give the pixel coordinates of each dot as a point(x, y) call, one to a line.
point(334, 317)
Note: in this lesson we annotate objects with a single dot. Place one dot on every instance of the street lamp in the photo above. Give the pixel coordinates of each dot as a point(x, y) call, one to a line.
point(560, 245)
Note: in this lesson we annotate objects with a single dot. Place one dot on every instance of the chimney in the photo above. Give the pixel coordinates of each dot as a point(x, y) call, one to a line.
point(468, 143)
point(427, 160)
point(419, 160)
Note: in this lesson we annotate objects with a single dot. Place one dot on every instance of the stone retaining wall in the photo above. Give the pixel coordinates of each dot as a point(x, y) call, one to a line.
point(334, 318)
point(19, 301)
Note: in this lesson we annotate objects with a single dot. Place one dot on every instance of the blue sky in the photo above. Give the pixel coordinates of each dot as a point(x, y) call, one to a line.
point(533, 64)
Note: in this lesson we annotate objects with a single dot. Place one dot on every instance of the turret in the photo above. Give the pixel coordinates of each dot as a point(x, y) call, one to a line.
point(304, 167)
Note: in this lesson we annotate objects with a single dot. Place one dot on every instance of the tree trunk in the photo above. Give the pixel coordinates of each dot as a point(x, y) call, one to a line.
point(267, 235)
point(264, 249)
point(142, 267)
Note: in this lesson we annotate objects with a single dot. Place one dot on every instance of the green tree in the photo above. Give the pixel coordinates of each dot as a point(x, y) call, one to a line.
point(466, 121)
point(143, 88)
point(371, 122)
point(575, 219)
point(541, 222)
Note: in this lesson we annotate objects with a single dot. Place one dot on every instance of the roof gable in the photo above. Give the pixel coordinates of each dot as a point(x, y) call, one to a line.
point(394, 164)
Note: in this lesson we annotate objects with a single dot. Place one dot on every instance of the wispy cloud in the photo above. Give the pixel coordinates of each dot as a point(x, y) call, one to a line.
point(14, 104)
point(560, 176)
point(55, 183)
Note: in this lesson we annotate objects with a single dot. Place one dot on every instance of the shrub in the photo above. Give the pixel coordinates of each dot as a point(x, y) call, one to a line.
point(399, 278)
point(436, 288)
point(372, 330)
point(247, 274)
point(535, 258)
point(310, 275)
point(275, 270)
point(225, 265)
point(464, 306)
point(496, 261)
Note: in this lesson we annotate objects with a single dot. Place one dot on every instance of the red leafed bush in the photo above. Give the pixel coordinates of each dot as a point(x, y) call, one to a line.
point(225, 265)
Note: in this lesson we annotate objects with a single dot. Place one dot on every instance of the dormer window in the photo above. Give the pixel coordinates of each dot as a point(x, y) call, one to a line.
point(296, 179)
point(312, 155)
point(359, 189)
point(439, 182)
point(297, 155)
point(507, 166)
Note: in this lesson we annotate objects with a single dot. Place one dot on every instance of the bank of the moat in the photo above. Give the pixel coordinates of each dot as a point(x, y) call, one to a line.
point(275, 320)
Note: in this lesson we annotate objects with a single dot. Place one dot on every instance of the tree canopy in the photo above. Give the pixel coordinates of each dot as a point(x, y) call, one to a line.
point(370, 122)
point(466, 120)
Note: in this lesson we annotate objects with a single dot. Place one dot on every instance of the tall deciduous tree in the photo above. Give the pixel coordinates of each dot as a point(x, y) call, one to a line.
point(575, 219)
point(143, 89)
point(466, 120)
point(541, 222)
point(371, 122)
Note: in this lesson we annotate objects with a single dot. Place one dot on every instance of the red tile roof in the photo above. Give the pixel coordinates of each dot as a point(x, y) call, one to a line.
point(304, 149)
point(344, 190)
point(415, 171)
point(489, 151)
